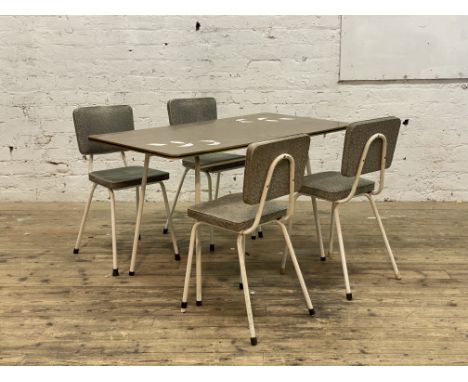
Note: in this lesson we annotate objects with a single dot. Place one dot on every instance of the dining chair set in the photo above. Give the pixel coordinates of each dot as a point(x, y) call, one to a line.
point(273, 169)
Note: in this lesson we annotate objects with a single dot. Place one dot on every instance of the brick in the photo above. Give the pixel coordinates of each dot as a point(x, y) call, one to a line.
point(50, 65)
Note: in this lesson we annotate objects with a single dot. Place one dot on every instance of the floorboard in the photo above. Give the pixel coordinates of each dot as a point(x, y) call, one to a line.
point(63, 309)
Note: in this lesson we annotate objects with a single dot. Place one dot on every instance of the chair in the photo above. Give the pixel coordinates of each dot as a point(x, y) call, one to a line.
point(112, 119)
point(369, 147)
point(273, 169)
point(189, 110)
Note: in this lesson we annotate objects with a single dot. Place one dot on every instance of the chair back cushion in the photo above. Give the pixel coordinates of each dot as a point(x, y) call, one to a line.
point(357, 135)
point(259, 157)
point(189, 110)
point(100, 120)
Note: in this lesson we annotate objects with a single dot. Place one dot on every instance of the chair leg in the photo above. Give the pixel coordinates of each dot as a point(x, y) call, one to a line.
point(349, 295)
point(260, 232)
point(188, 271)
point(384, 235)
point(292, 254)
point(241, 286)
point(218, 177)
point(332, 229)
point(285, 252)
point(248, 305)
point(76, 249)
point(137, 192)
point(115, 267)
point(174, 203)
point(210, 198)
point(286, 249)
point(198, 267)
point(169, 219)
point(318, 228)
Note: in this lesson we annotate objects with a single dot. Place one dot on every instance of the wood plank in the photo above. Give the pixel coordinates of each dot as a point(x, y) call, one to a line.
point(64, 309)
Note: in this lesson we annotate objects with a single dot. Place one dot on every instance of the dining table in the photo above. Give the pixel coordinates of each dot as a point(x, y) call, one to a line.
point(199, 138)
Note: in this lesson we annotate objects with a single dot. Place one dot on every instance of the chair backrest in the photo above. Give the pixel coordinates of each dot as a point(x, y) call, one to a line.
point(357, 135)
point(188, 110)
point(259, 157)
point(100, 120)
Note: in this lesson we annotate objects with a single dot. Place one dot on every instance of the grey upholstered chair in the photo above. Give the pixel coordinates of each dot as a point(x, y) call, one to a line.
point(111, 119)
point(273, 169)
point(189, 110)
point(369, 147)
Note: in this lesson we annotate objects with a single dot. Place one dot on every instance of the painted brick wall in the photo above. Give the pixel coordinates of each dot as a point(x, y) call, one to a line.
point(50, 65)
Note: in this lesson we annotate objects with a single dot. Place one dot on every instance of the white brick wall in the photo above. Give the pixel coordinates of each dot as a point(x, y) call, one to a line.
point(50, 65)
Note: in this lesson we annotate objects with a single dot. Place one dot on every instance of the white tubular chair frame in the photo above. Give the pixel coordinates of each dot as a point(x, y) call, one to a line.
point(115, 270)
point(210, 198)
point(241, 247)
point(362, 161)
point(335, 217)
point(317, 225)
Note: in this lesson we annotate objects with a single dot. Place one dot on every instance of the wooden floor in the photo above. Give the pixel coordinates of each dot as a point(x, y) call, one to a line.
point(60, 308)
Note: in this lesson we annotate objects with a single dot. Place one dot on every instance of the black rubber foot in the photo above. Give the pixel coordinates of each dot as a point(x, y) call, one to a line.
point(260, 235)
point(212, 247)
point(253, 341)
point(241, 286)
point(165, 231)
point(253, 237)
point(183, 305)
point(139, 237)
point(199, 303)
point(312, 312)
point(177, 257)
point(115, 272)
point(131, 273)
point(323, 258)
point(76, 250)
point(349, 296)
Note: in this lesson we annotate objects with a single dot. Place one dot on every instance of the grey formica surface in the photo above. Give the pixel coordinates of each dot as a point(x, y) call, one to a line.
point(198, 138)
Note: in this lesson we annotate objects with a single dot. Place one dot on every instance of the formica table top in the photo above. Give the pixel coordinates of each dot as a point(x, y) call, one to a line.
point(224, 134)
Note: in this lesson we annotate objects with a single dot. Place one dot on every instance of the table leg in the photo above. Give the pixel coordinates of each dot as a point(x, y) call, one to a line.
point(197, 236)
point(141, 201)
point(197, 180)
point(308, 168)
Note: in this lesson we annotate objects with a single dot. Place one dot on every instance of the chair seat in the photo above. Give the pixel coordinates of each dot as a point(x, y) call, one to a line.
point(123, 177)
point(333, 186)
point(216, 162)
point(230, 212)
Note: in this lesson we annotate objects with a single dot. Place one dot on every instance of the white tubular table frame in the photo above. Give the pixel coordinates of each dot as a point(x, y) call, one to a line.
point(229, 133)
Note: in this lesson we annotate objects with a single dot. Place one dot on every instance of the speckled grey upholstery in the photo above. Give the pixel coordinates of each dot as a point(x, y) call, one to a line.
point(188, 110)
point(233, 211)
point(122, 177)
point(333, 186)
point(100, 120)
point(110, 119)
point(230, 212)
point(216, 162)
point(357, 135)
point(258, 159)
